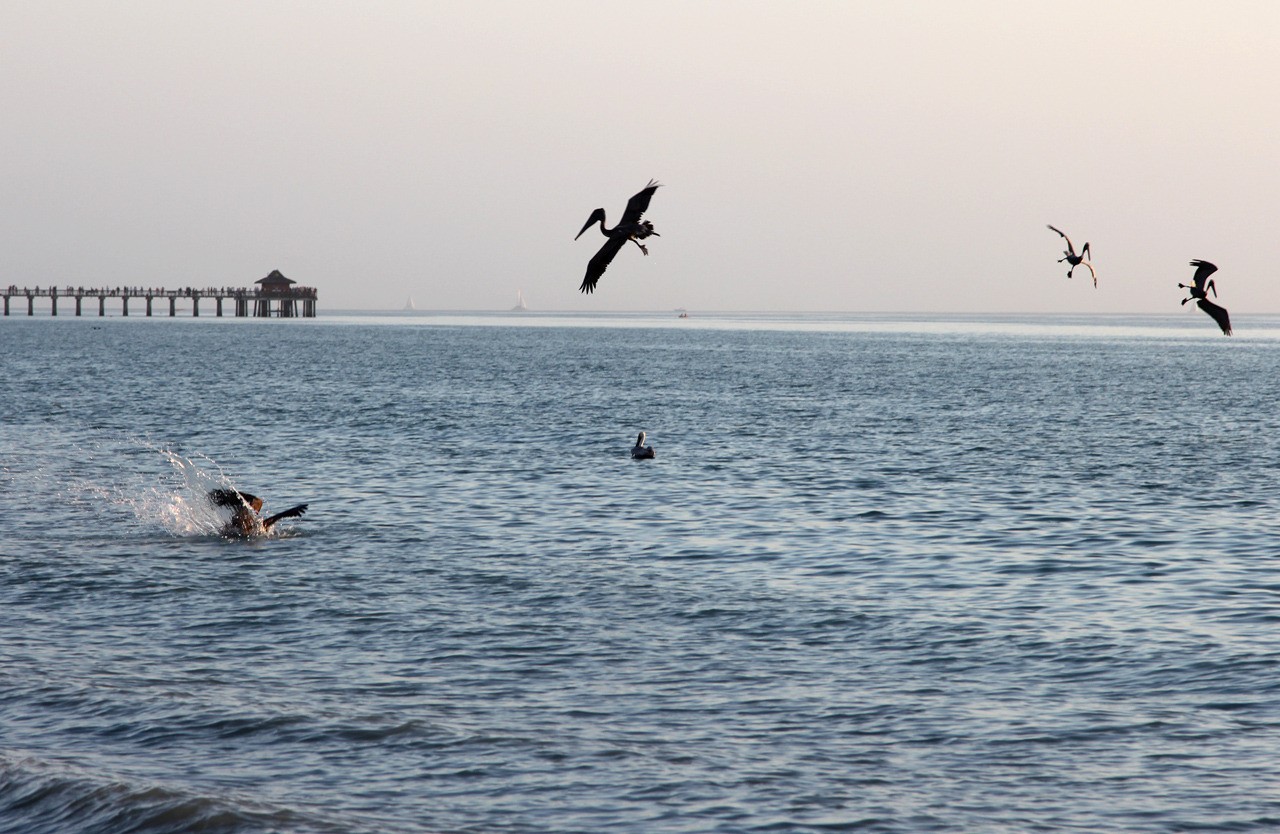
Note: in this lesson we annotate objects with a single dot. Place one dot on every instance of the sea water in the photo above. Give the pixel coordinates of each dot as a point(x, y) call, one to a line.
point(890, 574)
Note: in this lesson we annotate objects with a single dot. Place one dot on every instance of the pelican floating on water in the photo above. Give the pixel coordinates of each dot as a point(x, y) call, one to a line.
point(641, 451)
point(1199, 289)
point(1075, 260)
point(631, 228)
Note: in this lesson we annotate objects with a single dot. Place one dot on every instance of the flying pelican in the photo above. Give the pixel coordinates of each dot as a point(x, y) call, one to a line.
point(1075, 260)
point(631, 227)
point(641, 451)
point(1199, 288)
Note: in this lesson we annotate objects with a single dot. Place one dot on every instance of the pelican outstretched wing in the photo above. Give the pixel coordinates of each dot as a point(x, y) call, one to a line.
point(292, 512)
point(1092, 272)
point(601, 260)
point(1203, 270)
point(1070, 248)
point(639, 204)
point(1218, 314)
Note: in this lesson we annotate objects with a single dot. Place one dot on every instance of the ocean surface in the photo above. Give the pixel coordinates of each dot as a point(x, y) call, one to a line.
point(886, 574)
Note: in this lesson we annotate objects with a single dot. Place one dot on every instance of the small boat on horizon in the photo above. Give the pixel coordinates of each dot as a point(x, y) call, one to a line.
point(520, 305)
point(409, 305)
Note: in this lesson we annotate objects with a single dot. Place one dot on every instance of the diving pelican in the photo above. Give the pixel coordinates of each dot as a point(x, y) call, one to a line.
point(641, 451)
point(1199, 289)
point(1075, 260)
point(245, 521)
point(631, 227)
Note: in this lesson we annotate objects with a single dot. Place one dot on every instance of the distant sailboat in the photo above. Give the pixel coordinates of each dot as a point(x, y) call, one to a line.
point(409, 305)
point(520, 305)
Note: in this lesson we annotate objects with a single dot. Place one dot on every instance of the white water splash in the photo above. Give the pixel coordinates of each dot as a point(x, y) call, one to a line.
point(175, 501)
point(106, 476)
point(186, 510)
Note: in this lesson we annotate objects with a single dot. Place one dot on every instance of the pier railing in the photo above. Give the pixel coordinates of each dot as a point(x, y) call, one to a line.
point(246, 301)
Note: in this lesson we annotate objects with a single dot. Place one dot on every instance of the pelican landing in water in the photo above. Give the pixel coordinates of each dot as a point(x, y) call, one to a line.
point(245, 521)
point(631, 227)
point(1075, 260)
point(1199, 289)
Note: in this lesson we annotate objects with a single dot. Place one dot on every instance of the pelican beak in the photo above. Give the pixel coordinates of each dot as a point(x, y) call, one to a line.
point(597, 216)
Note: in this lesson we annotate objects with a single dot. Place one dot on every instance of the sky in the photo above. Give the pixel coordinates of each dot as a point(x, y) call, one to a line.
point(897, 156)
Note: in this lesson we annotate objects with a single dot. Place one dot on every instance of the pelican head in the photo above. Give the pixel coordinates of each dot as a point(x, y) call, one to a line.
point(640, 439)
point(597, 216)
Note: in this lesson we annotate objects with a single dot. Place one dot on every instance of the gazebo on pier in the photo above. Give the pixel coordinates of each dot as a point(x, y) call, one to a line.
point(278, 297)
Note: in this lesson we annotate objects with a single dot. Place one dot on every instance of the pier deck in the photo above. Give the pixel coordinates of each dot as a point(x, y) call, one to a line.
point(266, 302)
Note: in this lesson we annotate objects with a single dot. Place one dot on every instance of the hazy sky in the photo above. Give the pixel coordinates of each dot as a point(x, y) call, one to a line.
point(885, 156)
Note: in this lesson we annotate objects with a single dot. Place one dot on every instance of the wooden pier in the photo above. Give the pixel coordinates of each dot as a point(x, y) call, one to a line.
point(276, 296)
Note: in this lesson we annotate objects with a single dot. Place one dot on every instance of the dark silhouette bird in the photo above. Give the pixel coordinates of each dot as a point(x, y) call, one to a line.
point(244, 513)
point(1075, 260)
point(631, 227)
point(641, 451)
point(1199, 289)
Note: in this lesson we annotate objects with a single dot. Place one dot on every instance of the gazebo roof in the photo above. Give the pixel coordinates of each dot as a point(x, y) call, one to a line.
point(276, 278)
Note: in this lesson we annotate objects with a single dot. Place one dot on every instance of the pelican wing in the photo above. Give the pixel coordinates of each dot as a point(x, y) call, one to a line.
point(600, 262)
point(639, 204)
point(292, 512)
point(1203, 270)
point(224, 497)
point(1218, 314)
point(234, 498)
point(1070, 248)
